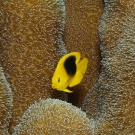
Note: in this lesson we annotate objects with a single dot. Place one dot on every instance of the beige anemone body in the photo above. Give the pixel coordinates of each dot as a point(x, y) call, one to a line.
point(30, 46)
point(53, 117)
point(5, 104)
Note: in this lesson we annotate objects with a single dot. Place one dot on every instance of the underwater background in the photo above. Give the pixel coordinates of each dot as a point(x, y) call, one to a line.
point(35, 34)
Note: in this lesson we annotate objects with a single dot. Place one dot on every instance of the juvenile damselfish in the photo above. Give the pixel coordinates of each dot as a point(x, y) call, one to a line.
point(69, 71)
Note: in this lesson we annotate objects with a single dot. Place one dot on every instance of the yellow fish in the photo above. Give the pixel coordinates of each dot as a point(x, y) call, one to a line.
point(69, 71)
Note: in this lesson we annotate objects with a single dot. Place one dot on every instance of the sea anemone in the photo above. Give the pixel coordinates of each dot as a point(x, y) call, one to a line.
point(114, 112)
point(5, 104)
point(31, 43)
point(30, 47)
point(53, 117)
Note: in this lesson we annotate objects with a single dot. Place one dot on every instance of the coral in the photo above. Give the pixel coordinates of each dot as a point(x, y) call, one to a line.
point(81, 34)
point(115, 91)
point(5, 104)
point(53, 117)
point(30, 46)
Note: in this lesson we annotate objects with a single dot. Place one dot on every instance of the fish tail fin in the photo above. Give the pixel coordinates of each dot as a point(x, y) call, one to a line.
point(82, 66)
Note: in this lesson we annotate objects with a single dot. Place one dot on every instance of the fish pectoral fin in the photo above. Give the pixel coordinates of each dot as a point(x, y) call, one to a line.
point(66, 90)
point(77, 79)
point(82, 65)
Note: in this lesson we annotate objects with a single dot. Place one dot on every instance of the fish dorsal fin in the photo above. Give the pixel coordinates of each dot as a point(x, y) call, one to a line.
point(70, 65)
point(70, 62)
point(60, 66)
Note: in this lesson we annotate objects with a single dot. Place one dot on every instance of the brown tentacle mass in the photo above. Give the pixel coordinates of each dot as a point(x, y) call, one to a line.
point(81, 34)
point(116, 85)
point(30, 46)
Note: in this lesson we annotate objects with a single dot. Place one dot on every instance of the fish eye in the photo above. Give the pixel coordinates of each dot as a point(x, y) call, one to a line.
point(58, 80)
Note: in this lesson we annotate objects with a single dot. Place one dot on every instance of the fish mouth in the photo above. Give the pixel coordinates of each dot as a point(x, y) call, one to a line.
point(53, 86)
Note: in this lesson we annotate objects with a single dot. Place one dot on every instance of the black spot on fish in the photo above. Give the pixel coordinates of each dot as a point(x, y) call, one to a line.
point(70, 65)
